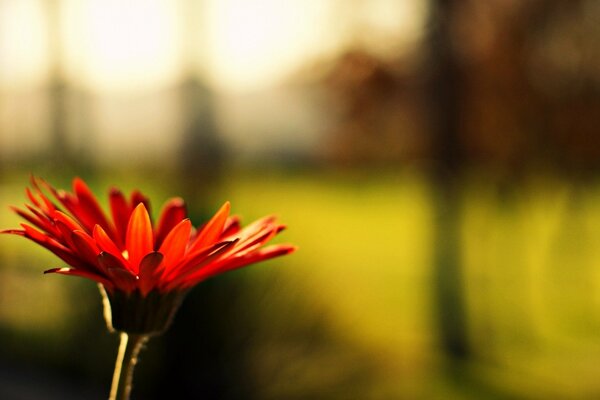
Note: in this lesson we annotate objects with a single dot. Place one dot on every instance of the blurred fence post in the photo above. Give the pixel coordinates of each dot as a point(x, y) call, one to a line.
point(66, 104)
point(200, 151)
point(444, 106)
point(200, 351)
point(59, 151)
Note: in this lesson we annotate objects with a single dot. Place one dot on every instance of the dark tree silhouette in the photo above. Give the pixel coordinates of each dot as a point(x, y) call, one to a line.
point(444, 106)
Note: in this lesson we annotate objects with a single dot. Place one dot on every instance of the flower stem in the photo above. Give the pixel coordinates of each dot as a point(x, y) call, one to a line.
point(129, 348)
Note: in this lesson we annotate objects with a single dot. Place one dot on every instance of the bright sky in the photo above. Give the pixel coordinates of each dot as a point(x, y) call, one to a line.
point(251, 44)
point(23, 46)
point(110, 45)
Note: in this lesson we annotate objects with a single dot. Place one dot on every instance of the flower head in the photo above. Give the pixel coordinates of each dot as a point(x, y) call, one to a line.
point(136, 260)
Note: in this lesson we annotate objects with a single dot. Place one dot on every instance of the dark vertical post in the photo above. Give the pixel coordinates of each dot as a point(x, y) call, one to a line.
point(213, 366)
point(200, 151)
point(444, 101)
point(59, 155)
point(69, 108)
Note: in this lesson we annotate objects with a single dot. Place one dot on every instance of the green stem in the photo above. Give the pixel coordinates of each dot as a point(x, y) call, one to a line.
point(129, 348)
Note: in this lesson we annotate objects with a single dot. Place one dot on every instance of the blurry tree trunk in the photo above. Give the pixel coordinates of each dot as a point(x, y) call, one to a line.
point(200, 151)
point(69, 108)
point(444, 101)
point(59, 152)
point(213, 366)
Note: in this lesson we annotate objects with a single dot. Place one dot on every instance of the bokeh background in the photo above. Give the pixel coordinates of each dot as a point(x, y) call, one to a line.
point(436, 161)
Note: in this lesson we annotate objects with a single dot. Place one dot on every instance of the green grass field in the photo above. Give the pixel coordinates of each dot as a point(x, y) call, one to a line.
point(364, 271)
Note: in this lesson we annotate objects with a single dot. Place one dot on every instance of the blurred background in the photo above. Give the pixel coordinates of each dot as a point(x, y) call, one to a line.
point(436, 161)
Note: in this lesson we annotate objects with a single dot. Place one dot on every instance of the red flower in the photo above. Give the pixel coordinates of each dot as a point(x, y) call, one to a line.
point(130, 255)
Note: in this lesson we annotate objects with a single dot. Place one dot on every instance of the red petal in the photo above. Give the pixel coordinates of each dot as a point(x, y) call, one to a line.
point(88, 209)
point(54, 246)
point(39, 236)
point(18, 232)
point(61, 196)
point(239, 262)
point(232, 226)
point(194, 259)
point(175, 243)
point(121, 211)
point(85, 246)
point(65, 233)
point(191, 267)
point(138, 197)
point(257, 226)
point(107, 261)
point(139, 240)
point(80, 273)
point(263, 254)
point(122, 278)
point(257, 240)
point(46, 205)
point(148, 268)
point(173, 212)
point(36, 219)
point(106, 244)
point(213, 228)
point(68, 221)
point(70, 203)
point(32, 197)
point(66, 225)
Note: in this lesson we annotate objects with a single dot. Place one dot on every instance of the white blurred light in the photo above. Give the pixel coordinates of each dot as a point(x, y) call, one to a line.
point(252, 43)
point(23, 44)
point(117, 45)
